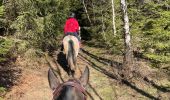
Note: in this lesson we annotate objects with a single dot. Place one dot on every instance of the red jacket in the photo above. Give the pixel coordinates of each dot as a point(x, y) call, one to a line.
point(71, 25)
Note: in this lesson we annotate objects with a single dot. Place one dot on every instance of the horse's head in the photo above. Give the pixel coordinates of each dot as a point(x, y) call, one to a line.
point(71, 90)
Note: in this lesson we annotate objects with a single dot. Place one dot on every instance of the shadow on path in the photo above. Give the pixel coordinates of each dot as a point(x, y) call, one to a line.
point(126, 82)
point(102, 60)
point(61, 59)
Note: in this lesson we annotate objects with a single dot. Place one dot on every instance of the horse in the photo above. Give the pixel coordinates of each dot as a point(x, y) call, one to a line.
point(73, 89)
point(71, 50)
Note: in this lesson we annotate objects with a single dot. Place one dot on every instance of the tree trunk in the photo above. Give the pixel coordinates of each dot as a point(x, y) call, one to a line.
point(113, 18)
point(86, 12)
point(103, 26)
point(127, 61)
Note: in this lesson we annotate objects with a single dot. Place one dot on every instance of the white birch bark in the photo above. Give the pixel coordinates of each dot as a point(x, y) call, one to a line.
point(113, 18)
point(128, 52)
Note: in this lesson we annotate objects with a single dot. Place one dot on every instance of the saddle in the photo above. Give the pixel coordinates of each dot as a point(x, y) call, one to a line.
point(74, 34)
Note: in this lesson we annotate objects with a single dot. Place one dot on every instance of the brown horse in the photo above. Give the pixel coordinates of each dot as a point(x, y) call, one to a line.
point(71, 50)
point(70, 90)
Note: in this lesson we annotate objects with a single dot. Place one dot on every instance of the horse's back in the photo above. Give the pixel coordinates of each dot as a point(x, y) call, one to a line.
point(70, 37)
point(75, 43)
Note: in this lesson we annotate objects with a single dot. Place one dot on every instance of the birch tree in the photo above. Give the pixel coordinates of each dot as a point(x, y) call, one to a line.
point(113, 18)
point(127, 62)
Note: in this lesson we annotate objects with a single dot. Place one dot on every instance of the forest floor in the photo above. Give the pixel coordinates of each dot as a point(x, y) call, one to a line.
point(105, 83)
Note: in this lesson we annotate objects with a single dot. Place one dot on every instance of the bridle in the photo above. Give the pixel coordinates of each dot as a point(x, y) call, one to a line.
point(73, 83)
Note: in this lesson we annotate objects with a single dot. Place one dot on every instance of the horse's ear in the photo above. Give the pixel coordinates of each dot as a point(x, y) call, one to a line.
point(85, 77)
point(52, 79)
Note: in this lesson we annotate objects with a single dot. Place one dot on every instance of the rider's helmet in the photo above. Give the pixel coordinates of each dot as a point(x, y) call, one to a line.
point(72, 15)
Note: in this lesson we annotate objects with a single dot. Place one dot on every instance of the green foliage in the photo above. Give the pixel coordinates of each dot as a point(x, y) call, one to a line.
point(150, 29)
point(2, 91)
point(5, 46)
point(101, 27)
point(40, 21)
point(2, 21)
point(1, 10)
point(158, 58)
point(159, 36)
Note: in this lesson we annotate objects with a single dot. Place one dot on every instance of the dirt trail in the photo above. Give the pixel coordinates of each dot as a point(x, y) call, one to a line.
point(98, 88)
point(33, 85)
point(103, 85)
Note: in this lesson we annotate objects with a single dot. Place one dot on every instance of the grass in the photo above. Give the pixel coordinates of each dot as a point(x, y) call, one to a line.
point(101, 84)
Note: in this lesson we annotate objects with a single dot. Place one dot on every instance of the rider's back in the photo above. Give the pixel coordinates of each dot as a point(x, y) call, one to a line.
point(71, 25)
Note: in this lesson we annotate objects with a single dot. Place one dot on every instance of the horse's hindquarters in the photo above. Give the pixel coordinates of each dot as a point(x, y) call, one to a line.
point(71, 49)
point(76, 45)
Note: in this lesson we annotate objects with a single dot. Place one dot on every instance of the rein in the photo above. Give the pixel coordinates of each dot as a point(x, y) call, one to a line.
point(73, 83)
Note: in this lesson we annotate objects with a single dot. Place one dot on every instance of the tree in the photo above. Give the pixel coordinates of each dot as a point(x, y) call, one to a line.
point(86, 12)
point(113, 18)
point(127, 62)
point(38, 22)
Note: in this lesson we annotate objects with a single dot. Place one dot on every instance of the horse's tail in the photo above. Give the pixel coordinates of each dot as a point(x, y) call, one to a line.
point(71, 52)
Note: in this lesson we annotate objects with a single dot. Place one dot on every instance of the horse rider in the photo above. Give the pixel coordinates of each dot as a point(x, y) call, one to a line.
point(72, 27)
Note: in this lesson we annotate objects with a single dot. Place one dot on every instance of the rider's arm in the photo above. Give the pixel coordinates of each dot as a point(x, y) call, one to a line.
point(79, 31)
